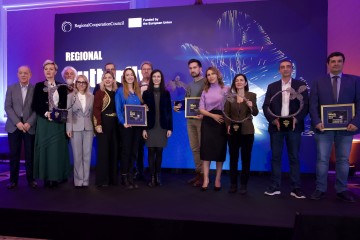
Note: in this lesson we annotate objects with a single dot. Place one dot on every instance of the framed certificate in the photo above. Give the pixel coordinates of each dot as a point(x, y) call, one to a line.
point(192, 107)
point(181, 104)
point(135, 115)
point(337, 116)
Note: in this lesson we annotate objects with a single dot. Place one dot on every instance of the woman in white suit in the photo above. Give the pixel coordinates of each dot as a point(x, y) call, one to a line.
point(79, 129)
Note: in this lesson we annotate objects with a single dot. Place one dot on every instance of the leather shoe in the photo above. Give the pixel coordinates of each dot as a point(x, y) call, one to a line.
point(33, 184)
point(243, 189)
point(217, 189)
point(317, 195)
point(11, 185)
point(345, 196)
point(233, 188)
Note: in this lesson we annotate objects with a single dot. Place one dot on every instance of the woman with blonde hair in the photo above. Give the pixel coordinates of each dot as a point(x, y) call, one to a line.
point(213, 131)
point(129, 94)
point(51, 154)
point(79, 129)
point(105, 122)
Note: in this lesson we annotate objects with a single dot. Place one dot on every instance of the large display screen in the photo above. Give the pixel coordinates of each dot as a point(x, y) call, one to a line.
point(247, 37)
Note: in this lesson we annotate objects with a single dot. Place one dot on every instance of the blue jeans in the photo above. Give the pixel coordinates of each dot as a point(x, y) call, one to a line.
point(292, 140)
point(342, 143)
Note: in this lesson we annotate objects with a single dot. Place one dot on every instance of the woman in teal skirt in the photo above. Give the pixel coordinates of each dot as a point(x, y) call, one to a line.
point(51, 154)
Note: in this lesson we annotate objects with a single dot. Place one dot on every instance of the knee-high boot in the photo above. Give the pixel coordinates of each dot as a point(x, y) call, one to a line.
point(131, 182)
point(152, 182)
point(125, 182)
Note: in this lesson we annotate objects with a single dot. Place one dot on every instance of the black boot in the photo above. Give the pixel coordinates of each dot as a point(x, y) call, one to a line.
point(152, 183)
point(125, 182)
point(131, 182)
point(233, 188)
point(243, 189)
point(158, 180)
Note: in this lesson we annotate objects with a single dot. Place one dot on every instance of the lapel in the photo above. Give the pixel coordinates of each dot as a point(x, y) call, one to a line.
point(87, 105)
point(278, 88)
point(18, 95)
point(29, 94)
point(328, 88)
point(342, 87)
point(77, 104)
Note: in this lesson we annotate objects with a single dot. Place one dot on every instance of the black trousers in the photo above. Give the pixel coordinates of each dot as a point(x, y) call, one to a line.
point(155, 159)
point(15, 141)
point(140, 157)
point(106, 162)
point(239, 141)
point(130, 145)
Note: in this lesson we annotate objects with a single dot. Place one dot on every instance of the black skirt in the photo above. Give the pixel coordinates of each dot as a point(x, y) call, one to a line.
point(213, 139)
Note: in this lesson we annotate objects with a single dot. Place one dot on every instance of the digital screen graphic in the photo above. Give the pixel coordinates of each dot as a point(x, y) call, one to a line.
point(246, 37)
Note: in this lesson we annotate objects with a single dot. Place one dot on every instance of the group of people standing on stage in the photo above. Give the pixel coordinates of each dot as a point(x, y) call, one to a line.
point(102, 113)
point(213, 129)
point(225, 119)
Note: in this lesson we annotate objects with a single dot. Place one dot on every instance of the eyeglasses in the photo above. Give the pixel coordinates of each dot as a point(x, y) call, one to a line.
point(80, 82)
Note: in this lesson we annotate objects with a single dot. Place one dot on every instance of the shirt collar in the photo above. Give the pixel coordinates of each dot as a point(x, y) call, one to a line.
point(22, 86)
point(288, 83)
point(339, 75)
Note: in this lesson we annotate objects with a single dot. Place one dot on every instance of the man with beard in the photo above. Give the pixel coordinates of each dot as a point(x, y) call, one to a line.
point(195, 89)
point(146, 69)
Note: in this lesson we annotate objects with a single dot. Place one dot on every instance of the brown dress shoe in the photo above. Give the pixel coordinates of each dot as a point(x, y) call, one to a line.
point(33, 184)
point(194, 179)
point(11, 185)
point(199, 181)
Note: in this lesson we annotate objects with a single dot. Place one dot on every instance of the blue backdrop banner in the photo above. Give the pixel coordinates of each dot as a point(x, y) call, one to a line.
point(249, 38)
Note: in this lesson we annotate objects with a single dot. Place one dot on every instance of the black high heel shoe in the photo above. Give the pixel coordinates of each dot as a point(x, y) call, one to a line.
point(217, 189)
point(203, 189)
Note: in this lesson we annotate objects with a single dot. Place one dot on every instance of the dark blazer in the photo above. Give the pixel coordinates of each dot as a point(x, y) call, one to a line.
point(239, 111)
point(322, 94)
point(276, 104)
point(166, 121)
point(40, 103)
point(14, 107)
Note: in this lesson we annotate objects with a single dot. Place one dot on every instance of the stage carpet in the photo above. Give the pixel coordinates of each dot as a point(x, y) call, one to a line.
point(177, 211)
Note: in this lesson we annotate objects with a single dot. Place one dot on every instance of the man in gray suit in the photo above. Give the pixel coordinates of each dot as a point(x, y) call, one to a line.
point(20, 125)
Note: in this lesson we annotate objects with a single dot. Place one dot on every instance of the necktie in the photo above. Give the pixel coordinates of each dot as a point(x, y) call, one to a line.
point(335, 78)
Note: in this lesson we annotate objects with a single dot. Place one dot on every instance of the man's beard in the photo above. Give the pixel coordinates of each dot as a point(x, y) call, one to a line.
point(195, 76)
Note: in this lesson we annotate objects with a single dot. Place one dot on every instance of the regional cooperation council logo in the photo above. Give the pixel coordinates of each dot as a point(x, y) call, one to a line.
point(66, 26)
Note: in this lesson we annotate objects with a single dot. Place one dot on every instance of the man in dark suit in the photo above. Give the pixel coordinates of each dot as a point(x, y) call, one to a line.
point(20, 125)
point(334, 88)
point(146, 69)
point(282, 105)
point(109, 67)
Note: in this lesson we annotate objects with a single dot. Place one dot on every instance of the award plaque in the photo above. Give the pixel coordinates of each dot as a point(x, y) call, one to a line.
point(235, 128)
point(135, 115)
point(286, 124)
point(181, 104)
point(337, 116)
point(192, 107)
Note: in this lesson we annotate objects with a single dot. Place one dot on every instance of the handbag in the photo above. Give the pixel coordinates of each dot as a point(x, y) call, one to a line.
point(59, 115)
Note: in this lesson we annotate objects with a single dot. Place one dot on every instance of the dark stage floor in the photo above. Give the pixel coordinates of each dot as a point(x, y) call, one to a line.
point(176, 200)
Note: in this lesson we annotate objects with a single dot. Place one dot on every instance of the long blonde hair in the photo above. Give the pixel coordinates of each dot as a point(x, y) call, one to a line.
point(136, 87)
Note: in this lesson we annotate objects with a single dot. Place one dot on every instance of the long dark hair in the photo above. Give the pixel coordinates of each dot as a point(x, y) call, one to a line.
point(151, 83)
point(233, 88)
